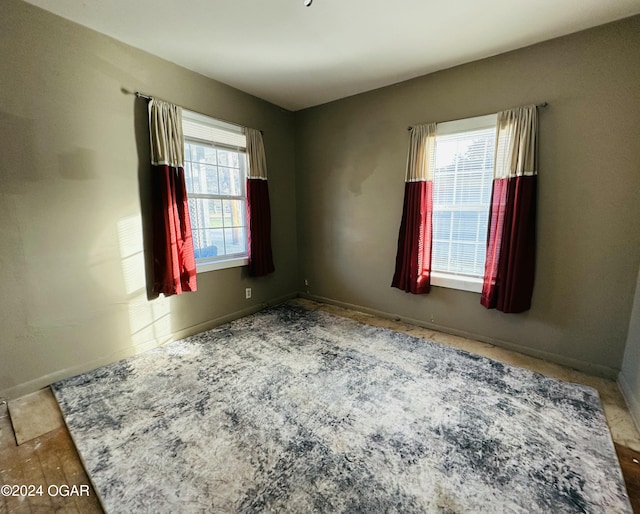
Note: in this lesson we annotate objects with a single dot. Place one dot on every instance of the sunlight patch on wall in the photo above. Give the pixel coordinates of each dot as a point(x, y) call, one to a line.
point(132, 253)
point(149, 321)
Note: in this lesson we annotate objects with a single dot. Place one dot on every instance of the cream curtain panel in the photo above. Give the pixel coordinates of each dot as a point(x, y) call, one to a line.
point(516, 141)
point(256, 155)
point(167, 139)
point(421, 156)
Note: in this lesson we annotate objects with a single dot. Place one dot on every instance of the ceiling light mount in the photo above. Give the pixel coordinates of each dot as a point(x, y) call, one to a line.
point(308, 3)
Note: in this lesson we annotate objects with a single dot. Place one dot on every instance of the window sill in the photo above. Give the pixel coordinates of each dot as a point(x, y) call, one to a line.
point(471, 284)
point(204, 266)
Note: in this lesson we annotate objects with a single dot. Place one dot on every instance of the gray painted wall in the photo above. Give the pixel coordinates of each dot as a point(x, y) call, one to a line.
point(629, 378)
point(74, 153)
point(350, 162)
point(73, 181)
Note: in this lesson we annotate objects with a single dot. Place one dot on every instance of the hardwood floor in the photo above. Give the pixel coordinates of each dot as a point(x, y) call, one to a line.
point(50, 461)
point(630, 464)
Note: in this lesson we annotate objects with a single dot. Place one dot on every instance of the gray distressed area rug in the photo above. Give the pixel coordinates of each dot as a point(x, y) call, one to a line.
point(294, 410)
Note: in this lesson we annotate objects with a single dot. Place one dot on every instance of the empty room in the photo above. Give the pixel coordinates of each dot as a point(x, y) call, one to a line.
point(320, 256)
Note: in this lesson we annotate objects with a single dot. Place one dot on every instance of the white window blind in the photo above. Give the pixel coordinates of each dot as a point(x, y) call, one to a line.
point(203, 128)
point(462, 186)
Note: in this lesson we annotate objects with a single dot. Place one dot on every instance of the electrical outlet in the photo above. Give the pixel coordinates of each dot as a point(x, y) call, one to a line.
point(247, 293)
point(306, 281)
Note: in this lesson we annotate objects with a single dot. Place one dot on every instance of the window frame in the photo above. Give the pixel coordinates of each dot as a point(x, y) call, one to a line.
point(206, 264)
point(442, 278)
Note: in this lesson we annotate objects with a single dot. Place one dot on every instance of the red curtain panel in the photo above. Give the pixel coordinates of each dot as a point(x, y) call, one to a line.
point(258, 207)
point(259, 219)
point(511, 241)
point(174, 265)
point(413, 259)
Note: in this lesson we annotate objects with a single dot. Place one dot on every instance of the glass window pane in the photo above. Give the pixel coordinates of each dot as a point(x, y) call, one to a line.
point(225, 180)
point(442, 225)
point(193, 213)
point(209, 213)
point(209, 179)
point(235, 240)
point(234, 213)
point(465, 226)
point(197, 153)
point(462, 257)
point(470, 188)
point(462, 191)
point(211, 243)
point(440, 256)
point(188, 180)
point(209, 156)
point(236, 183)
point(225, 158)
point(199, 177)
point(218, 224)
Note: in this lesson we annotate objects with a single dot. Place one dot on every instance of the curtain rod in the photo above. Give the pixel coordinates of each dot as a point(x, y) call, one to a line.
point(138, 94)
point(540, 105)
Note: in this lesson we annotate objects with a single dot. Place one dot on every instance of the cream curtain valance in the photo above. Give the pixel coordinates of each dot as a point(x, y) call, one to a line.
point(256, 156)
point(516, 134)
point(420, 160)
point(165, 129)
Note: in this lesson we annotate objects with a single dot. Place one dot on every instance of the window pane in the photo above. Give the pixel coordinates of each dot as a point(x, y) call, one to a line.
point(225, 158)
point(444, 187)
point(212, 174)
point(461, 195)
point(465, 226)
point(193, 212)
point(237, 185)
point(209, 180)
point(225, 180)
point(470, 190)
point(188, 180)
point(234, 213)
point(209, 156)
point(440, 256)
point(442, 225)
point(197, 176)
point(462, 258)
point(197, 153)
point(210, 243)
point(208, 213)
point(235, 240)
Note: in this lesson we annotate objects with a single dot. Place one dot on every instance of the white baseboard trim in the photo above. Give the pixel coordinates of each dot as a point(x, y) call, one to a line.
point(633, 402)
point(587, 367)
point(38, 383)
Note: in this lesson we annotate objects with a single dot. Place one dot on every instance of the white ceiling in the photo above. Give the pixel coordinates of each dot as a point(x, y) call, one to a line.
point(297, 56)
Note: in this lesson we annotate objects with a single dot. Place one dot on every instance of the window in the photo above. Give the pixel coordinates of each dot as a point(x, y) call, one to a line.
point(462, 183)
point(215, 166)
